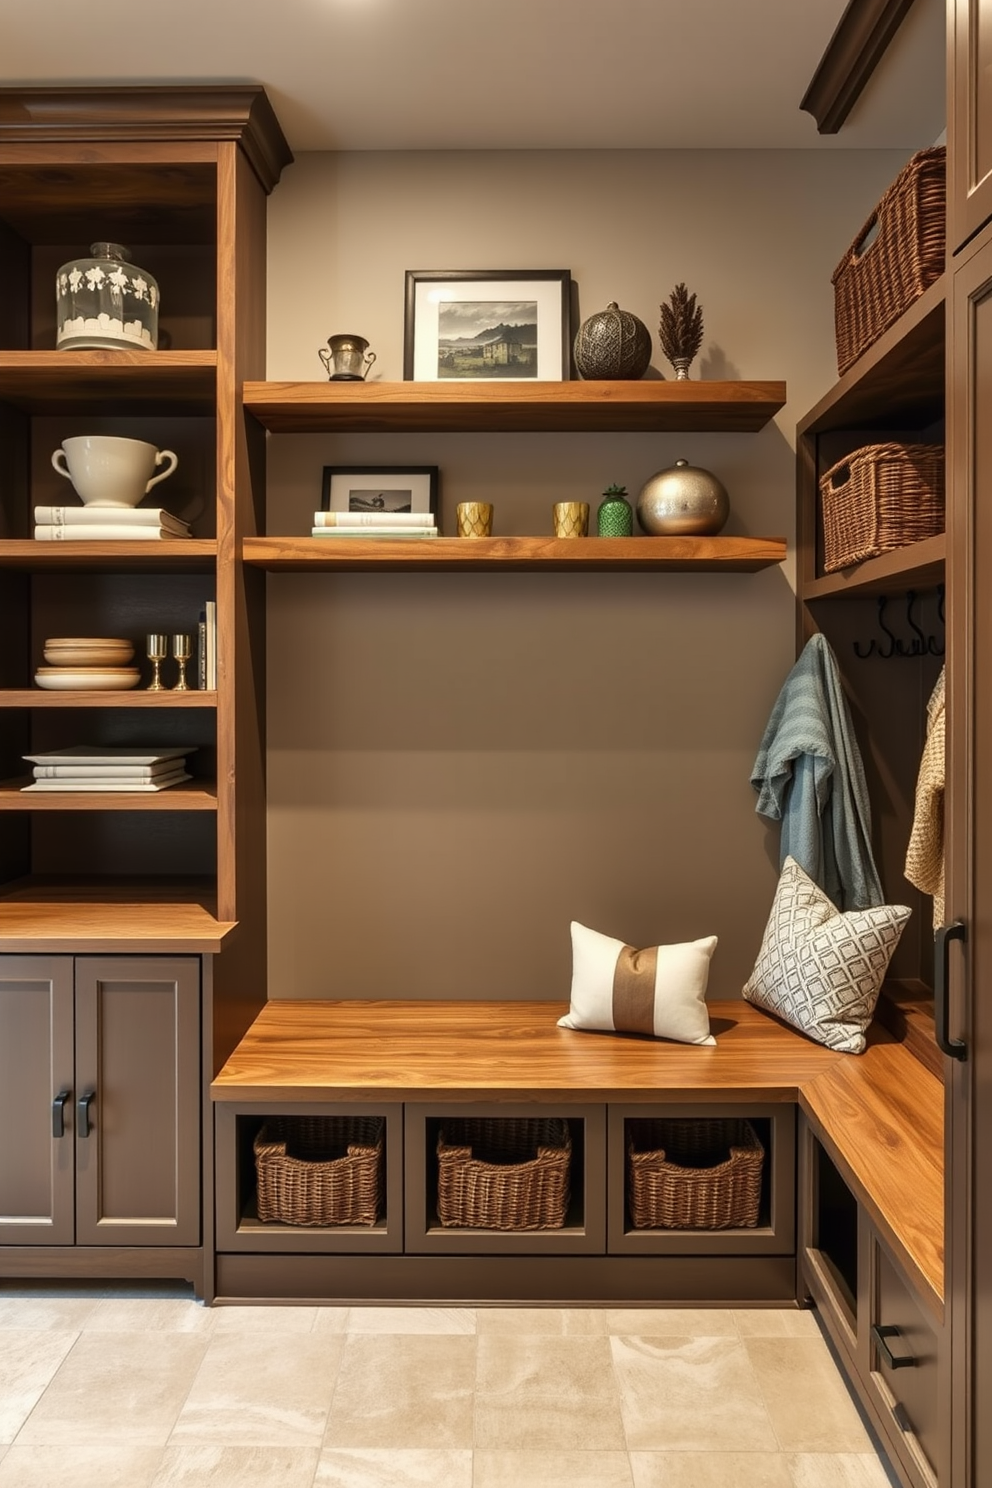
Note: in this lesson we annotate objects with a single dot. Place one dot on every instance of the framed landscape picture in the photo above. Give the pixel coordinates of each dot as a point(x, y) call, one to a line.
point(384, 489)
point(486, 325)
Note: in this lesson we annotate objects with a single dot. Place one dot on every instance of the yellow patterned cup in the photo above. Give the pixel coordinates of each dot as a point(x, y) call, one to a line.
point(475, 518)
point(571, 518)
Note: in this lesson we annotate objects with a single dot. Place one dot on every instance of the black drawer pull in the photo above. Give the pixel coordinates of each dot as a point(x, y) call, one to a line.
point(83, 1113)
point(58, 1113)
point(879, 1333)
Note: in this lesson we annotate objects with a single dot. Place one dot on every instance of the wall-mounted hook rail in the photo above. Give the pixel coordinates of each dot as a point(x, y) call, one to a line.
point(921, 643)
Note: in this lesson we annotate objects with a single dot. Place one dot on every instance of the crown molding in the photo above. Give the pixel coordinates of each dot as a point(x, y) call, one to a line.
point(240, 112)
point(854, 51)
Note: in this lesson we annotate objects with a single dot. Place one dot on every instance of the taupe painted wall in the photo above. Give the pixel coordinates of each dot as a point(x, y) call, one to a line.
point(460, 764)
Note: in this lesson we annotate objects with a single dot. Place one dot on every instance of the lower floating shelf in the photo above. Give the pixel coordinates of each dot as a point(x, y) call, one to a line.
point(675, 554)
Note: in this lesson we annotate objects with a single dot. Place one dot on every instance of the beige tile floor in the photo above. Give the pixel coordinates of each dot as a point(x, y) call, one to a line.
point(110, 1390)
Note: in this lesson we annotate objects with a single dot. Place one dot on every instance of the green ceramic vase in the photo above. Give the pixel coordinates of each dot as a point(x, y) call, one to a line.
point(615, 517)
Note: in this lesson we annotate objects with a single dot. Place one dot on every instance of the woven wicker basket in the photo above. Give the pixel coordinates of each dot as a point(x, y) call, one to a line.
point(320, 1170)
point(879, 277)
point(693, 1175)
point(504, 1173)
point(881, 497)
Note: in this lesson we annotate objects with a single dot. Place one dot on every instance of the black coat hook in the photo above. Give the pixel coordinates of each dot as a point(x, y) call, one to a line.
point(920, 645)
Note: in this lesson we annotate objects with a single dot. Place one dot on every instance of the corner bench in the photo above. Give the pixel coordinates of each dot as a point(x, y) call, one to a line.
point(879, 1117)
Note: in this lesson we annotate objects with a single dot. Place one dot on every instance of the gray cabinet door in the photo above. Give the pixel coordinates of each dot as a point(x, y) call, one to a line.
point(137, 1071)
point(36, 1065)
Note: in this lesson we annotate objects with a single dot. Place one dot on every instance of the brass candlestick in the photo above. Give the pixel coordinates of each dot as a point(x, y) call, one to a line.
point(182, 650)
point(156, 649)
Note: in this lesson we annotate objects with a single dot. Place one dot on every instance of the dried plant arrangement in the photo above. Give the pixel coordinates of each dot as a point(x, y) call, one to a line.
point(681, 329)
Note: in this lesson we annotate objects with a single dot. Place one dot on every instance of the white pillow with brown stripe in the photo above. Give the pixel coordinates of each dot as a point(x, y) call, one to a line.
point(660, 991)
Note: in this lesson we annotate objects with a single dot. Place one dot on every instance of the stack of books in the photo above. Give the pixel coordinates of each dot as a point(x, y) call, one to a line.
point(107, 524)
point(92, 767)
point(363, 524)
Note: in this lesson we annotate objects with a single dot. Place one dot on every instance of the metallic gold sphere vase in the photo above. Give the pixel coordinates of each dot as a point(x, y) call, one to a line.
point(684, 501)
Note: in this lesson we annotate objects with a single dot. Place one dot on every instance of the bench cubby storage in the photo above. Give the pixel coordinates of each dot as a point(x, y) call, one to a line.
point(583, 1231)
point(706, 1126)
point(239, 1226)
point(886, 1328)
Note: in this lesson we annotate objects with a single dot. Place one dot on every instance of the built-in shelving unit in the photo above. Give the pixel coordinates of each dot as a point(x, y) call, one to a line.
point(514, 407)
point(590, 554)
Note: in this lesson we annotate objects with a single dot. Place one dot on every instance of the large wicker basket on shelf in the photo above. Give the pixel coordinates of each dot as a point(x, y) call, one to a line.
point(503, 1173)
point(896, 256)
point(881, 497)
point(320, 1170)
point(693, 1174)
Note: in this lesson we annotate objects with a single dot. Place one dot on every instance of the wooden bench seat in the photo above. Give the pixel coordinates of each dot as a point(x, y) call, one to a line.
point(879, 1114)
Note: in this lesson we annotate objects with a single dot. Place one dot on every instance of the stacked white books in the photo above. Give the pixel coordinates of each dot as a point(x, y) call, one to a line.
point(92, 767)
point(364, 524)
point(107, 524)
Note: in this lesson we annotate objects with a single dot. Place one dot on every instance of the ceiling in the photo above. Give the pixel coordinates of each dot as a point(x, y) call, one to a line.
point(500, 74)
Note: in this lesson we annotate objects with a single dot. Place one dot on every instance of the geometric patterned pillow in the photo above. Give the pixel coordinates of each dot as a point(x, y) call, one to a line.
point(821, 970)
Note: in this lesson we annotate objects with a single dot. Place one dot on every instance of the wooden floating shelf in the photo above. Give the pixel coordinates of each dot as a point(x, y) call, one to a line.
point(189, 554)
point(917, 566)
point(193, 796)
point(64, 381)
point(514, 407)
point(592, 554)
point(138, 697)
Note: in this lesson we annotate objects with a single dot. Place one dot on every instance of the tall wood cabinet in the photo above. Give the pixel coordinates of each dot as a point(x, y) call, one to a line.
point(180, 176)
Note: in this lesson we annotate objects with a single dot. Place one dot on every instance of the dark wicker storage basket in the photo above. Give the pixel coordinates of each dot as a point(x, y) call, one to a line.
point(877, 280)
point(504, 1173)
point(320, 1170)
point(881, 497)
point(693, 1174)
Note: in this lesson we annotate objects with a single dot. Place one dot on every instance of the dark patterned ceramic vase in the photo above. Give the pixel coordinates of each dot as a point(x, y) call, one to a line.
point(613, 346)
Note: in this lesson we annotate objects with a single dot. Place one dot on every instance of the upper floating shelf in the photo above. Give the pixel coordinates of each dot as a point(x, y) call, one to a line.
point(514, 407)
point(509, 554)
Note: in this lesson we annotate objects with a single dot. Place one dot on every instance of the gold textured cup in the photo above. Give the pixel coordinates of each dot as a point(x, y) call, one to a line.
point(571, 518)
point(475, 518)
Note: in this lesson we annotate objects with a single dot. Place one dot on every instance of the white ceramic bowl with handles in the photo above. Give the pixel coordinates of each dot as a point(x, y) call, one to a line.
point(107, 470)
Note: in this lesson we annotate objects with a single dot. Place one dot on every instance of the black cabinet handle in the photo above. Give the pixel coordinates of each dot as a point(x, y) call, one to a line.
point(58, 1113)
point(952, 1047)
point(879, 1333)
point(83, 1113)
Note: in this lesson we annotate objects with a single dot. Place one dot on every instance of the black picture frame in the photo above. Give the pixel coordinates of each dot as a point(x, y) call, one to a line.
point(338, 486)
point(431, 352)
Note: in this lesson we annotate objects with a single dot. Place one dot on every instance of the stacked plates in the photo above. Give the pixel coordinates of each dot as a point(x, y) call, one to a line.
point(88, 664)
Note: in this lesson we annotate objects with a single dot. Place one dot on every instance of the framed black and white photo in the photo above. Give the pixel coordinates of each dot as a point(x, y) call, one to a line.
point(392, 490)
point(485, 325)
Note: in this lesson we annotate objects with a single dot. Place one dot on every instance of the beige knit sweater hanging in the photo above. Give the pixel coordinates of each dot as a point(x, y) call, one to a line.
point(925, 854)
